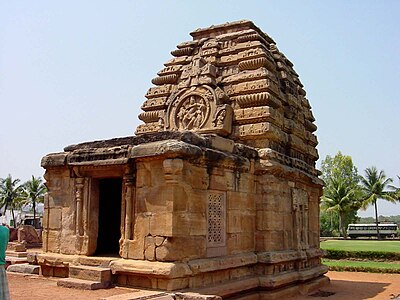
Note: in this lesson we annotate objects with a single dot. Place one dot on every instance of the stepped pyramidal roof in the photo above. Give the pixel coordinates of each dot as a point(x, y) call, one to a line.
point(231, 80)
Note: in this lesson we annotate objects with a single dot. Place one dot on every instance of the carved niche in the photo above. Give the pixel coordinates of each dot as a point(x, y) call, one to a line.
point(198, 104)
point(300, 217)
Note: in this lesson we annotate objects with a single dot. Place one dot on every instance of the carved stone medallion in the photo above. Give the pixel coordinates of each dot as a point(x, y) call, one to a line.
point(197, 109)
point(191, 112)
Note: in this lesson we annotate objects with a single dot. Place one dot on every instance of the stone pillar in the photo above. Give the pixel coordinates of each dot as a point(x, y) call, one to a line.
point(127, 211)
point(79, 184)
point(129, 181)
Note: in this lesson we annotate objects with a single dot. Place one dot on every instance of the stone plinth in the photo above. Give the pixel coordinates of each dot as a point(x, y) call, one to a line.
point(218, 190)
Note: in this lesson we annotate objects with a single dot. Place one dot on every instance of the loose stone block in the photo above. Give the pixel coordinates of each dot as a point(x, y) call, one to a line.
point(24, 268)
point(82, 284)
point(16, 246)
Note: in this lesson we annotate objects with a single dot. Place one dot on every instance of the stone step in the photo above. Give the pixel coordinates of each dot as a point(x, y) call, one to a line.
point(157, 295)
point(141, 295)
point(15, 260)
point(90, 273)
point(96, 261)
point(11, 253)
point(82, 284)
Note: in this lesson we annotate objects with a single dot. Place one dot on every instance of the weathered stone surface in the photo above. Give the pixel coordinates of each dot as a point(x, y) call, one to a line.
point(170, 148)
point(24, 268)
point(195, 296)
point(16, 246)
point(28, 234)
point(81, 284)
point(160, 269)
point(10, 260)
point(226, 262)
point(90, 273)
point(10, 253)
point(217, 192)
point(253, 73)
point(139, 295)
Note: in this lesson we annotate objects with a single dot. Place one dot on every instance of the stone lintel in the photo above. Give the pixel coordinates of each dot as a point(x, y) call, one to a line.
point(152, 268)
point(222, 263)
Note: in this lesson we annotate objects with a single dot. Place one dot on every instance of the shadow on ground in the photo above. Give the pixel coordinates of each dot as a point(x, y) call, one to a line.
point(354, 290)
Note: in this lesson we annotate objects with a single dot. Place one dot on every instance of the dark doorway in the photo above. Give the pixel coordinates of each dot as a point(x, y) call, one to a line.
point(110, 193)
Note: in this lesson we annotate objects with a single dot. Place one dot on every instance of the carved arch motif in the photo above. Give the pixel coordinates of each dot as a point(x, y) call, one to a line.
point(198, 108)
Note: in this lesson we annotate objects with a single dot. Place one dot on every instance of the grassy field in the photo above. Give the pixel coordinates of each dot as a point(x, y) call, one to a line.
point(362, 266)
point(362, 245)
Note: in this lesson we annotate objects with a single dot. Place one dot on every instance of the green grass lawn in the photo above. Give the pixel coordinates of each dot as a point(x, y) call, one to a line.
point(362, 245)
point(362, 266)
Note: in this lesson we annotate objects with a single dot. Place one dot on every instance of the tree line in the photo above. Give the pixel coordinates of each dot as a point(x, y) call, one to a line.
point(346, 192)
point(15, 196)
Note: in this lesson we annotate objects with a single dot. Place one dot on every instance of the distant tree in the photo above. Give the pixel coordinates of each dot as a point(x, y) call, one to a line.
point(33, 192)
point(10, 195)
point(391, 219)
point(341, 198)
point(342, 191)
point(340, 166)
point(375, 185)
point(329, 223)
point(396, 190)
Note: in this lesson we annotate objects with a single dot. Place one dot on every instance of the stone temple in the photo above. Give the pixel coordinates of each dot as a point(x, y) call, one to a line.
point(217, 192)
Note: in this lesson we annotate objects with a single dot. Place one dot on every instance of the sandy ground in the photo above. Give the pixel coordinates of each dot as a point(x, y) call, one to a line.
point(344, 285)
point(359, 285)
point(34, 287)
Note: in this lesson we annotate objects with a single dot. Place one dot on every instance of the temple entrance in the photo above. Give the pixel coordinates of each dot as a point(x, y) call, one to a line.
point(110, 194)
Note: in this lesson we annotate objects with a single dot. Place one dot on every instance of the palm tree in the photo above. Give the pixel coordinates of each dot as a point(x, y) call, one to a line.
point(396, 190)
point(10, 194)
point(375, 185)
point(33, 192)
point(341, 198)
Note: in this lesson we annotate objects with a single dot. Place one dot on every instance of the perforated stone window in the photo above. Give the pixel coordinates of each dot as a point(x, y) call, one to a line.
point(216, 219)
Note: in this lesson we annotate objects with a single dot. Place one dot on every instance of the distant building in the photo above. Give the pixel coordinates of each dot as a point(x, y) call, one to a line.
point(20, 215)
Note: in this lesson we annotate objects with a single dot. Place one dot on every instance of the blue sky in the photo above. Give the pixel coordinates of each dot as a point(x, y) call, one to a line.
point(76, 71)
